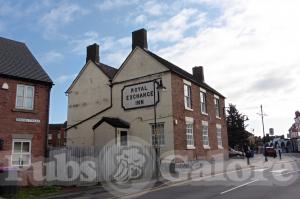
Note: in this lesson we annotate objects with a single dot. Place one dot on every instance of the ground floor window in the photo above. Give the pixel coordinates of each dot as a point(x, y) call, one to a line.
point(205, 137)
point(21, 152)
point(189, 122)
point(123, 138)
point(160, 138)
point(219, 135)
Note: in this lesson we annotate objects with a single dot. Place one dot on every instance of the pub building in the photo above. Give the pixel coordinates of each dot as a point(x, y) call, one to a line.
point(108, 104)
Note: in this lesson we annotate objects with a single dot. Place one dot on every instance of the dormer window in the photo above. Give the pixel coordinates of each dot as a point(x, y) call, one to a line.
point(25, 97)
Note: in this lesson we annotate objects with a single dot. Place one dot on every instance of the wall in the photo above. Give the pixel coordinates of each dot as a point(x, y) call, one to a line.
point(104, 134)
point(8, 115)
point(180, 113)
point(90, 94)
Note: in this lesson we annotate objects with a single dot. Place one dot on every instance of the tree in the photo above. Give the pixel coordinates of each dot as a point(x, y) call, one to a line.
point(236, 128)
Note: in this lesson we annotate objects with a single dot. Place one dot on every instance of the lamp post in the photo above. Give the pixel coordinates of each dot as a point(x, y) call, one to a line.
point(262, 114)
point(159, 86)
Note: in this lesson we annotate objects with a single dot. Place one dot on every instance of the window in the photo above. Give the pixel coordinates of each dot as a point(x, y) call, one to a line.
point(25, 97)
point(49, 139)
point(190, 133)
point(160, 134)
point(123, 138)
point(219, 136)
point(21, 152)
point(203, 103)
point(205, 137)
point(217, 107)
point(187, 96)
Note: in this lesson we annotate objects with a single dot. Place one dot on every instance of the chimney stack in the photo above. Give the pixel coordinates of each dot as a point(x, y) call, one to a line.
point(139, 38)
point(198, 73)
point(92, 53)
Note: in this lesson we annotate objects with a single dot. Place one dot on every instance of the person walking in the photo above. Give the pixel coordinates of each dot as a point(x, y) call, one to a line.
point(279, 152)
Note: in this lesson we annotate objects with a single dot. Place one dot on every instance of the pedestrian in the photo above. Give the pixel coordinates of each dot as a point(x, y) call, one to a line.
point(248, 155)
point(279, 152)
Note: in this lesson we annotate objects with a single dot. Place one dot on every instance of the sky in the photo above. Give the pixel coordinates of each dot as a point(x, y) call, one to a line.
point(249, 48)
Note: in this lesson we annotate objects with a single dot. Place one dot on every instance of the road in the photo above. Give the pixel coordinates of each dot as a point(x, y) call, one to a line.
point(275, 179)
point(280, 181)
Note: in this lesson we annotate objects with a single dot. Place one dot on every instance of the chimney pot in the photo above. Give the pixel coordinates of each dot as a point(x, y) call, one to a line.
point(198, 73)
point(139, 38)
point(92, 53)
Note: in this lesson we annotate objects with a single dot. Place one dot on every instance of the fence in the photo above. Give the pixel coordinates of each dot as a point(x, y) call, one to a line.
point(89, 165)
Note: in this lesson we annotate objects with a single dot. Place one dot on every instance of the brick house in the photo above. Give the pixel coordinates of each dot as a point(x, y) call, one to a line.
point(24, 105)
point(105, 104)
point(57, 135)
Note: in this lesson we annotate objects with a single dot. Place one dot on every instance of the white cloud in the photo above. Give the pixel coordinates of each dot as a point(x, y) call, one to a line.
point(61, 15)
point(52, 57)
point(155, 8)
point(140, 19)
point(113, 4)
point(113, 51)
point(173, 29)
point(252, 46)
point(79, 45)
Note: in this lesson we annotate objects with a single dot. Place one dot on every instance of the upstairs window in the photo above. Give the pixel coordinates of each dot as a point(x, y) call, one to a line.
point(187, 96)
point(25, 97)
point(203, 102)
point(205, 138)
point(217, 107)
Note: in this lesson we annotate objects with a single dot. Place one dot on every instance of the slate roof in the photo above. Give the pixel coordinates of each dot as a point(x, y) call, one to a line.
point(57, 127)
point(113, 121)
point(17, 61)
point(181, 72)
point(108, 70)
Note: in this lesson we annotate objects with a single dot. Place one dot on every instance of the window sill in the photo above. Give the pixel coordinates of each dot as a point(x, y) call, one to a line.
point(23, 110)
point(218, 117)
point(190, 147)
point(220, 147)
point(203, 113)
point(206, 147)
point(189, 109)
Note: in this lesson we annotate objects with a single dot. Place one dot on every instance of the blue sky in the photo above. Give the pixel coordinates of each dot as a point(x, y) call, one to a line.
point(238, 42)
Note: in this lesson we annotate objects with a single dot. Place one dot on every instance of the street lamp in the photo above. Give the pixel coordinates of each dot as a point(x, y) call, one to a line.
point(262, 114)
point(160, 87)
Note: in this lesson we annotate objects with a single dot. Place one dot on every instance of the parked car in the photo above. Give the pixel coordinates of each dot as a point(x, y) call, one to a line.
point(270, 151)
point(235, 154)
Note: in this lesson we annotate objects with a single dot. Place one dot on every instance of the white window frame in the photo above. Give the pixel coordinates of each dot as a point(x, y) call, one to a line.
point(217, 106)
point(25, 96)
point(21, 153)
point(161, 139)
point(205, 135)
point(219, 136)
point(189, 133)
point(189, 86)
point(202, 91)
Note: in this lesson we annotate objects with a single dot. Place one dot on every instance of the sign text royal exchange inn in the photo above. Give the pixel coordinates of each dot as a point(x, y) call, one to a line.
point(139, 95)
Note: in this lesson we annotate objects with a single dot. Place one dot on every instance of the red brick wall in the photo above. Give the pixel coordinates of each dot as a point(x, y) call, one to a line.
point(8, 115)
point(55, 133)
point(179, 113)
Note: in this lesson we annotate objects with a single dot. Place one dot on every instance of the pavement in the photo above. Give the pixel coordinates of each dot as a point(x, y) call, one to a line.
point(228, 179)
